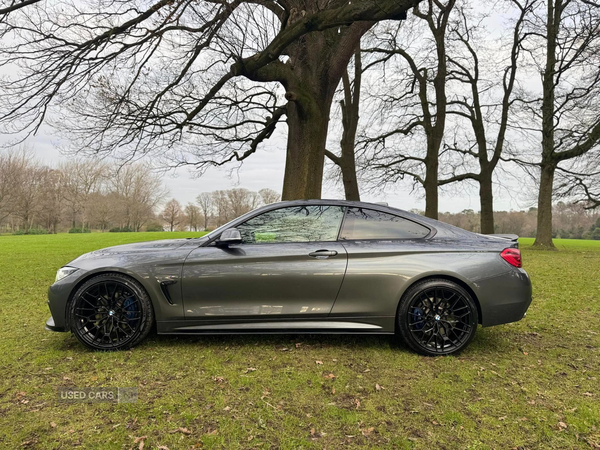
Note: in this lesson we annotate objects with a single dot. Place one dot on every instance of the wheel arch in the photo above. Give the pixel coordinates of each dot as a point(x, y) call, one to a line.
point(89, 275)
point(443, 276)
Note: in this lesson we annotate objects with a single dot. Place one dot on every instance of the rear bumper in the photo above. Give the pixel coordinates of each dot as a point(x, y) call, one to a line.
point(51, 326)
point(506, 298)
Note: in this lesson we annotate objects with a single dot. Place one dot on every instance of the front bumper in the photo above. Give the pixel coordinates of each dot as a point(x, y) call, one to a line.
point(51, 326)
point(58, 297)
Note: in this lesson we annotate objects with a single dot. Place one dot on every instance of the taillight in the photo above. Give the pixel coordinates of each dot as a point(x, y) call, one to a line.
point(512, 256)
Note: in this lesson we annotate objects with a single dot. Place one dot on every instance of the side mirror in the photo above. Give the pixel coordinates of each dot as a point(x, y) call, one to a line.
point(229, 236)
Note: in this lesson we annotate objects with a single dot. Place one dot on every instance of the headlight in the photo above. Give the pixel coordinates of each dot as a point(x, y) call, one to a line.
point(64, 272)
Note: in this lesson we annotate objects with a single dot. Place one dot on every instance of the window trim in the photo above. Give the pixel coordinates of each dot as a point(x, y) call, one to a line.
point(342, 207)
point(251, 214)
point(432, 231)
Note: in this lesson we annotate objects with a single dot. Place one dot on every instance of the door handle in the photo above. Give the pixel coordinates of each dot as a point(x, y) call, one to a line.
point(322, 254)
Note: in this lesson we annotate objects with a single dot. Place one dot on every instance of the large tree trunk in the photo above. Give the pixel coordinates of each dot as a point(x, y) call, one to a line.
point(308, 121)
point(313, 72)
point(350, 115)
point(486, 199)
point(348, 168)
point(543, 236)
point(431, 185)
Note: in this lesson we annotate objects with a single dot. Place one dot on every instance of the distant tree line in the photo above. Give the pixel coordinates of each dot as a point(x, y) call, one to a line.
point(213, 209)
point(77, 195)
point(84, 194)
point(570, 221)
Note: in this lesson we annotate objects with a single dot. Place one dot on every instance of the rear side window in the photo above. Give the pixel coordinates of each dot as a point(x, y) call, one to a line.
point(363, 223)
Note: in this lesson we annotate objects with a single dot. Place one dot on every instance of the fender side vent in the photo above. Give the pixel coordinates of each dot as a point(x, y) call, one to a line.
point(164, 287)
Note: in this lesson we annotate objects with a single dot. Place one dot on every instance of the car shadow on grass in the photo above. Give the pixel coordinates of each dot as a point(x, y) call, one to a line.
point(486, 340)
point(279, 341)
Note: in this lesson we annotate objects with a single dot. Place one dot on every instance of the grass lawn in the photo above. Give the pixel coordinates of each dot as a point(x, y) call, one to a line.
point(532, 384)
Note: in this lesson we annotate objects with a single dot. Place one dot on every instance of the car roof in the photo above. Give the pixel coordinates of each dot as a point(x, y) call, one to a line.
point(356, 204)
point(439, 229)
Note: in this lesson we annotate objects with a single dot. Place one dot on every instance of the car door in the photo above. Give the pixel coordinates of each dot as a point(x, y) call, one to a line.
point(383, 253)
point(289, 264)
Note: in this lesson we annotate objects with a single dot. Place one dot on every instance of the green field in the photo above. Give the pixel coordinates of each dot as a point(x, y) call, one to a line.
point(533, 384)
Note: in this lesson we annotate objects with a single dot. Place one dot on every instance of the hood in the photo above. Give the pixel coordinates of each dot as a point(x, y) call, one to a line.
point(166, 244)
point(118, 254)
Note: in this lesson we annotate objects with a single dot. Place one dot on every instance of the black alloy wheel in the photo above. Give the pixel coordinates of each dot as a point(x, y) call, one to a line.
point(437, 317)
point(111, 312)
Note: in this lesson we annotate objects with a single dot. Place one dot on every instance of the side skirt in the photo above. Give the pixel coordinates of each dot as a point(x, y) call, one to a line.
point(363, 325)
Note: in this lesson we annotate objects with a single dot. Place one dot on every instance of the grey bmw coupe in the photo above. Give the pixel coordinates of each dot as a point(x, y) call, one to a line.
point(314, 266)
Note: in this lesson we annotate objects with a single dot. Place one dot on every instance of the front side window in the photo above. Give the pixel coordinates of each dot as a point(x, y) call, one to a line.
point(309, 223)
point(363, 223)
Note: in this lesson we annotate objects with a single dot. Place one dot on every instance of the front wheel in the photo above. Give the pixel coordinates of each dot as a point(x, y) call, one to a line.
point(111, 312)
point(437, 317)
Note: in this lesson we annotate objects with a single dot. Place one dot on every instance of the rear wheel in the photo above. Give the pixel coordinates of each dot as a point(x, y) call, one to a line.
point(437, 317)
point(111, 312)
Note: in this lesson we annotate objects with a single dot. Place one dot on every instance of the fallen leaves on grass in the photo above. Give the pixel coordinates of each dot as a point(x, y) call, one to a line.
point(21, 397)
point(378, 387)
point(182, 430)
point(140, 440)
point(367, 431)
point(562, 425)
point(250, 369)
point(314, 434)
point(319, 362)
point(329, 376)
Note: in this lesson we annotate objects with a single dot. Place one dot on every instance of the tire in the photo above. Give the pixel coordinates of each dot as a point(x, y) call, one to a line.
point(110, 312)
point(437, 317)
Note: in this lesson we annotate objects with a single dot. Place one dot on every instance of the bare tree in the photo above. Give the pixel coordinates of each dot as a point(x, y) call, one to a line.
point(81, 179)
point(489, 120)
point(27, 199)
point(172, 214)
point(566, 111)
point(139, 192)
point(349, 107)
point(50, 199)
point(205, 202)
point(193, 216)
point(269, 196)
point(101, 209)
point(418, 105)
point(130, 78)
point(221, 207)
point(583, 185)
point(241, 201)
point(10, 6)
point(12, 164)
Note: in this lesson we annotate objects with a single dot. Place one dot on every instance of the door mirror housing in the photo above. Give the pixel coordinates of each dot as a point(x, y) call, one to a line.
point(229, 236)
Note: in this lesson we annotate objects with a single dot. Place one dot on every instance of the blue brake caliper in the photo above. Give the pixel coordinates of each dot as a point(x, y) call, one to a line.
point(128, 306)
point(418, 321)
